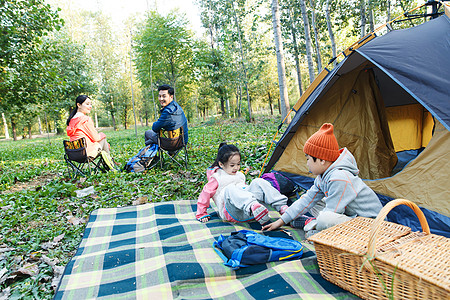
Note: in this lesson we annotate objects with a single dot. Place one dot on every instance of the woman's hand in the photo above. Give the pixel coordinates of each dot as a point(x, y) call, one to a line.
point(274, 226)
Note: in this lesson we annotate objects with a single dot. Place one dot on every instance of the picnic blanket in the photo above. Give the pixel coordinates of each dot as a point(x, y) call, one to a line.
point(160, 251)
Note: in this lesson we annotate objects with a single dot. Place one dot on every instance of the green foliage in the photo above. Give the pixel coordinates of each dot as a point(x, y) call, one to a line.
point(23, 65)
point(42, 219)
point(164, 48)
point(23, 24)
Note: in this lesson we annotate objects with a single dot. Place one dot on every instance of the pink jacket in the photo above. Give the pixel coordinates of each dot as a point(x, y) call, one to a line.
point(83, 126)
point(214, 189)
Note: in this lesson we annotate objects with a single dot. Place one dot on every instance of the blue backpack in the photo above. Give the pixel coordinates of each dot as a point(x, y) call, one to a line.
point(141, 161)
point(244, 247)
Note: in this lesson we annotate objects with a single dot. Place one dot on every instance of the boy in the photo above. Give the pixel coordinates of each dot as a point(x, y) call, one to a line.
point(337, 195)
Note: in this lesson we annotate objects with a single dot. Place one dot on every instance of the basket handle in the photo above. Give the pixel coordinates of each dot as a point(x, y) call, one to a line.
point(376, 226)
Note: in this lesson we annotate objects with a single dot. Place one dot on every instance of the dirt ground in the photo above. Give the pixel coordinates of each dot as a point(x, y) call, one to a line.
point(38, 181)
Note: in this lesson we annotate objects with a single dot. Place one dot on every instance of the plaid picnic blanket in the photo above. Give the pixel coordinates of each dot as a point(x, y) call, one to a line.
point(160, 251)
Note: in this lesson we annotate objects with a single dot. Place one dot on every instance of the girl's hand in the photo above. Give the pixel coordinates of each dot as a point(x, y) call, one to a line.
point(274, 226)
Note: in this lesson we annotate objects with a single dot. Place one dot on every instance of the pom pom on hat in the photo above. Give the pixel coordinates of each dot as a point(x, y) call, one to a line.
point(323, 144)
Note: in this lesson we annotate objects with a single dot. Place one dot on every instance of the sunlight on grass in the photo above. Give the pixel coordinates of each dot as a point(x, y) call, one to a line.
point(31, 218)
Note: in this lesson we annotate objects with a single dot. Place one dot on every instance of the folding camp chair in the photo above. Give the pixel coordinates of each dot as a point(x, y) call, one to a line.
point(78, 162)
point(172, 145)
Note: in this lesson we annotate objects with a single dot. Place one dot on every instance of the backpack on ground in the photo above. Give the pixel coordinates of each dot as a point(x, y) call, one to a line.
point(283, 184)
point(141, 161)
point(245, 247)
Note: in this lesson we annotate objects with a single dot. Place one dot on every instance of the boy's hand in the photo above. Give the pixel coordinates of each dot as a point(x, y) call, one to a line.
point(274, 226)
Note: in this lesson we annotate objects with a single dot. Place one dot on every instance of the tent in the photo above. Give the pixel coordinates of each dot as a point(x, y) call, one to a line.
point(389, 101)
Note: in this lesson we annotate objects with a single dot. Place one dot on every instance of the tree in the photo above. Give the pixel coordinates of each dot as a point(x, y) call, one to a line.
point(284, 97)
point(316, 35)
point(307, 41)
point(24, 67)
point(167, 45)
point(296, 51)
point(330, 30)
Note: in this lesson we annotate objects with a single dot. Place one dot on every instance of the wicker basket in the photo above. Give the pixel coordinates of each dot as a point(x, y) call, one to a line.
point(375, 259)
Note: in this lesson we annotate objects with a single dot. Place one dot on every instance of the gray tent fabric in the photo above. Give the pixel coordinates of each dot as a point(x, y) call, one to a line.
point(411, 65)
point(413, 58)
point(410, 68)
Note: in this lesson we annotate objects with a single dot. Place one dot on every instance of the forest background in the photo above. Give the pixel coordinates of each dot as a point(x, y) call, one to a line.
point(49, 54)
point(236, 80)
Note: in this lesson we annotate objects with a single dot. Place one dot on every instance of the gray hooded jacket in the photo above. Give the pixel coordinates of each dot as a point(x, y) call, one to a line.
point(341, 189)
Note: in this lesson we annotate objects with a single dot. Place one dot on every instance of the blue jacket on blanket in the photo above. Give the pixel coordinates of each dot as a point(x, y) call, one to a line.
point(245, 247)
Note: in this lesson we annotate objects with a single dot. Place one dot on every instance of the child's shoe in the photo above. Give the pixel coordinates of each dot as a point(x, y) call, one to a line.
point(301, 221)
point(260, 213)
point(283, 209)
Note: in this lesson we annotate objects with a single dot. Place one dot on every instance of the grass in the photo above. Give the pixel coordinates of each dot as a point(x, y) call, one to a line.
point(42, 225)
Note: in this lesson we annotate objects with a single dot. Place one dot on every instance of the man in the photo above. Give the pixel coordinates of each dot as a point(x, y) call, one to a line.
point(172, 116)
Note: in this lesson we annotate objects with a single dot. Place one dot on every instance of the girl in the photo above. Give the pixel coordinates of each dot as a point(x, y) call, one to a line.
point(236, 201)
point(80, 125)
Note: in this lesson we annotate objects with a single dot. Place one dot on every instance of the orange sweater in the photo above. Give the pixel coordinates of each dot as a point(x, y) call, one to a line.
point(83, 126)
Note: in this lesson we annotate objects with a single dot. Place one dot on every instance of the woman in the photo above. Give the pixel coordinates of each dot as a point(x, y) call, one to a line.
point(79, 125)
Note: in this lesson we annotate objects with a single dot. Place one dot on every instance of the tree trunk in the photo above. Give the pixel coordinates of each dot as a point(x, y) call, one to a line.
point(307, 41)
point(388, 17)
point(40, 126)
point(242, 62)
point(14, 129)
point(5, 125)
point(227, 102)
point(371, 21)
point(113, 119)
point(316, 35)
point(223, 109)
point(296, 52)
point(284, 97)
point(362, 13)
point(29, 131)
point(240, 102)
point(270, 103)
point(330, 31)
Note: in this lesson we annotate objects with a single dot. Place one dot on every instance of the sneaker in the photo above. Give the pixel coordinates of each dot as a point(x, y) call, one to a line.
point(310, 233)
point(301, 221)
point(260, 213)
point(283, 209)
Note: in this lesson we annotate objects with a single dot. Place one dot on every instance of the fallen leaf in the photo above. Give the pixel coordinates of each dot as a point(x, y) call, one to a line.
point(4, 294)
point(58, 238)
point(3, 275)
point(2, 250)
point(48, 245)
point(49, 261)
point(58, 271)
point(75, 221)
point(140, 200)
point(27, 270)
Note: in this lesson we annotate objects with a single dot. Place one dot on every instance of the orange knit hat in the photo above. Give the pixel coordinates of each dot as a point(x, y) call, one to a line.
point(323, 144)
